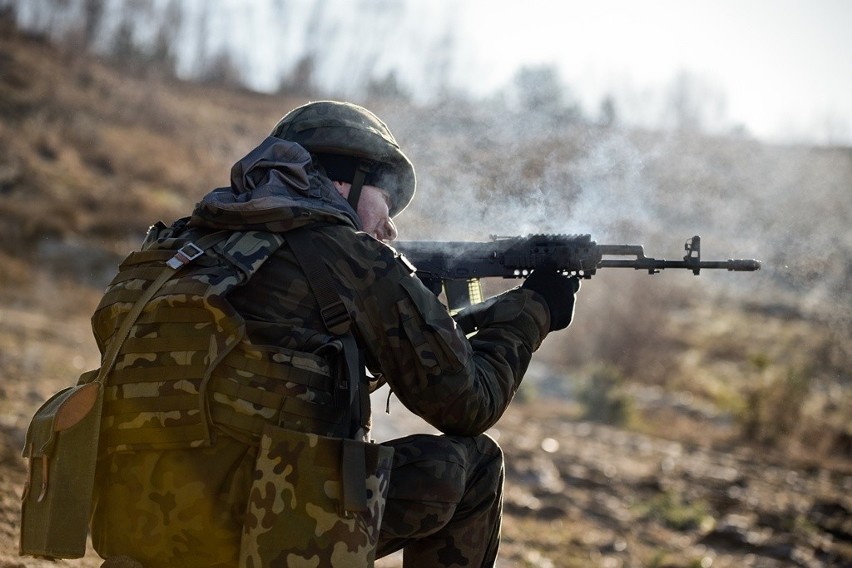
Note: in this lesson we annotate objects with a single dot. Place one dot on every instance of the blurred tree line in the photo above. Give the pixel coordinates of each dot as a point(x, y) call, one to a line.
point(150, 38)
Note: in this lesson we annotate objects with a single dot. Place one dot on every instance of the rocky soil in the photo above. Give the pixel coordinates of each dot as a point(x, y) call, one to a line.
point(584, 494)
point(596, 495)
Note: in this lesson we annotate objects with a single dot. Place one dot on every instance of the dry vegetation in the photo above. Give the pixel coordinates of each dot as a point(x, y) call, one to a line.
point(727, 401)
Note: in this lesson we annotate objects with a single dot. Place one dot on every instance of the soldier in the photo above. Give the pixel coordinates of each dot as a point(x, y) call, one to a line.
point(242, 437)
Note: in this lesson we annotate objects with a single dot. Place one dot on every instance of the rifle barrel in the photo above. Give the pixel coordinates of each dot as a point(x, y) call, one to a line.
point(733, 265)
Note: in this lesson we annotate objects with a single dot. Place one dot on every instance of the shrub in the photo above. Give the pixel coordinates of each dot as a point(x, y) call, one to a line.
point(605, 399)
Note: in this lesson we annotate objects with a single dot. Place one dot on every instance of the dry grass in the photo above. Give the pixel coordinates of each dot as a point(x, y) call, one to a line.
point(88, 151)
point(90, 156)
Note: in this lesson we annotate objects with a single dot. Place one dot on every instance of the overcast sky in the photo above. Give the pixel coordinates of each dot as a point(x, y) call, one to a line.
point(783, 66)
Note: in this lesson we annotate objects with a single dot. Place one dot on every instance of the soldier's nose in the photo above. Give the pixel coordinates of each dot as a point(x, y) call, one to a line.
point(388, 231)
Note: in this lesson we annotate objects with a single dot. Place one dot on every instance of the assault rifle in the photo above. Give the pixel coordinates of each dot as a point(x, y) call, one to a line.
point(458, 265)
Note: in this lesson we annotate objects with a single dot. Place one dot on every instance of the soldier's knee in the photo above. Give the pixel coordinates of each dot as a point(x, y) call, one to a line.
point(489, 464)
point(488, 446)
point(490, 452)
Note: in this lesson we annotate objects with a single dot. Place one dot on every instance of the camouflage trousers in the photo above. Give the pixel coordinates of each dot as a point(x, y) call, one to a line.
point(187, 507)
point(445, 501)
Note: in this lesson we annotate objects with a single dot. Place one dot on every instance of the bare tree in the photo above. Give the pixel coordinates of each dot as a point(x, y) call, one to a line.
point(163, 57)
point(388, 87)
point(694, 105)
point(300, 81)
point(608, 112)
point(93, 13)
point(221, 69)
point(538, 87)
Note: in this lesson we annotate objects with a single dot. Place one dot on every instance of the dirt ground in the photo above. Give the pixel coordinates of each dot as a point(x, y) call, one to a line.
point(584, 494)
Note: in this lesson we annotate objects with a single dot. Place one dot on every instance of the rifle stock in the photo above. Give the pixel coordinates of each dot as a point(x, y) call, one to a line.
point(449, 262)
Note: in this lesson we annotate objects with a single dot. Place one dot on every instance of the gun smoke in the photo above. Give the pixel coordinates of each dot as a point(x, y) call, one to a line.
point(497, 172)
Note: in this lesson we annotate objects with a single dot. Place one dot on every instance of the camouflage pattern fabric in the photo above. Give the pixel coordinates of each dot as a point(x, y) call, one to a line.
point(445, 501)
point(175, 507)
point(459, 385)
point(187, 508)
point(294, 516)
point(154, 395)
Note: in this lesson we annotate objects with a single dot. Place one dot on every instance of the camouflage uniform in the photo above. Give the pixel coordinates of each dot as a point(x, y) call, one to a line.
point(187, 506)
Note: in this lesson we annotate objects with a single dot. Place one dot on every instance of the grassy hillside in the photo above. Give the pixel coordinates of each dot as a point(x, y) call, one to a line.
point(90, 156)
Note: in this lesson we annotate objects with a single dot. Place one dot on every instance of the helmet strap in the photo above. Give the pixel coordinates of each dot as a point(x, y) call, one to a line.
point(358, 184)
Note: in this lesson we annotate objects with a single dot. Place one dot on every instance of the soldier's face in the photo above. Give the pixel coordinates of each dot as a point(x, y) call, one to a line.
point(373, 210)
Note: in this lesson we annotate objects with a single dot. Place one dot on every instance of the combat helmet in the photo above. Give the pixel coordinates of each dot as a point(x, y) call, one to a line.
point(333, 130)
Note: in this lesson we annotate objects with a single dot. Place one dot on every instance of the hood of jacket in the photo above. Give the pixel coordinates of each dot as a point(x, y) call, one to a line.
point(275, 187)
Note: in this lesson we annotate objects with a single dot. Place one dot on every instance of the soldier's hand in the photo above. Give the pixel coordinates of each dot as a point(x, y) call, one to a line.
point(558, 291)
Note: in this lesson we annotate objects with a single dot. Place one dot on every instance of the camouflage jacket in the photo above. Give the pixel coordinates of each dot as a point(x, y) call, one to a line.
point(458, 384)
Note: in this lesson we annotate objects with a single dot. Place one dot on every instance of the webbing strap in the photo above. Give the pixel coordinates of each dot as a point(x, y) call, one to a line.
point(123, 295)
point(358, 184)
point(286, 373)
point(156, 345)
point(145, 256)
point(137, 273)
point(337, 321)
point(332, 309)
point(155, 404)
point(164, 374)
point(167, 272)
point(154, 436)
point(173, 314)
point(310, 417)
point(226, 416)
point(353, 487)
point(241, 391)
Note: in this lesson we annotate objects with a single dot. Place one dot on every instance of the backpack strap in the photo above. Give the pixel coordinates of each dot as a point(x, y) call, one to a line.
point(332, 309)
point(334, 314)
point(186, 254)
point(337, 320)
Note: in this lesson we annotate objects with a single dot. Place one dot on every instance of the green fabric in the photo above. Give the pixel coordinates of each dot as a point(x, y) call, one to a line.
point(55, 506)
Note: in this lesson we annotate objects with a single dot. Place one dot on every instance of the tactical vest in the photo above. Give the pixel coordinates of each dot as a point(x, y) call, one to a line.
point(187, 362)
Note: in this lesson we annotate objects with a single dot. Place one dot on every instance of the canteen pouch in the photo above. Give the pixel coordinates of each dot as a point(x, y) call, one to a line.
point(61, 450)
point(315, 501)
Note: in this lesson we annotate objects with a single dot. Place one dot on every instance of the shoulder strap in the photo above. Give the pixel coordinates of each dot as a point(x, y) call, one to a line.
point(182, 257)
point(336, 318)
point(334, 314)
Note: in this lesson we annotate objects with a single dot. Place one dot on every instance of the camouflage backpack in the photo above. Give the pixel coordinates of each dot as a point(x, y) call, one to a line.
point(62, 440)
point(187, 364)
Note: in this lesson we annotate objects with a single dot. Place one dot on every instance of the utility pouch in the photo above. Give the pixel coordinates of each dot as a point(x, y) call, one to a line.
point(315, 501)
point(61, 449)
